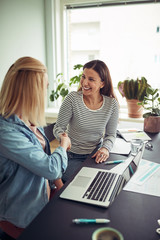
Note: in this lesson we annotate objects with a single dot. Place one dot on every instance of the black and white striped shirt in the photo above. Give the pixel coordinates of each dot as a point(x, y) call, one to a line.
point(87, 128)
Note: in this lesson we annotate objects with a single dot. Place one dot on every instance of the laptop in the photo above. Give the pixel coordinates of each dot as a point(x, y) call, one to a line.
point(99, 186)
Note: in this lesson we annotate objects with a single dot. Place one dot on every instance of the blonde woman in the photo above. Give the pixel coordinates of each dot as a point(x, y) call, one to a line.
point(28, 171)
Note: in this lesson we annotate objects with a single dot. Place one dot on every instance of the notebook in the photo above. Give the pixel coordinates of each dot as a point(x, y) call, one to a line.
point(129, 134)
point(99, 186)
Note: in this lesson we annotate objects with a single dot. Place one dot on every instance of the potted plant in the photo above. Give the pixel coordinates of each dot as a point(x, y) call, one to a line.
point(134, 91)
point(63, 89)
point(151, 103)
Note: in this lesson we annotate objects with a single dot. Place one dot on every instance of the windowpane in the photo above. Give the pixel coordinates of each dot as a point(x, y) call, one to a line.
point(126, 38)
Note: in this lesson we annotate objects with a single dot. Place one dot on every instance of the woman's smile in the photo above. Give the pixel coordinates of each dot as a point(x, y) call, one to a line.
point(86, 88)
point(91, 82)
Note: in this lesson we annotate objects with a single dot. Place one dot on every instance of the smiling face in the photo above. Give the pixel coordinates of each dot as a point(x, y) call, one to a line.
point(91, 82)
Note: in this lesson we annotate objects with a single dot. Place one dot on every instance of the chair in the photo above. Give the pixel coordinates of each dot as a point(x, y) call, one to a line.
point(10, 231)
point(5, 236)
point(49, 131)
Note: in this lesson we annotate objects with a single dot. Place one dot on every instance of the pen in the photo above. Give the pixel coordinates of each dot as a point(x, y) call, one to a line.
point(115, 161)
point(83, 220)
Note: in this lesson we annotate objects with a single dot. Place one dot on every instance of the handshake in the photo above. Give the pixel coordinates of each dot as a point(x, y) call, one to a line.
point(65, 141)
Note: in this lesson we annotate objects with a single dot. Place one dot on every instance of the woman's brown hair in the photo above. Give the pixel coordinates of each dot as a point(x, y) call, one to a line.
point(101, 68)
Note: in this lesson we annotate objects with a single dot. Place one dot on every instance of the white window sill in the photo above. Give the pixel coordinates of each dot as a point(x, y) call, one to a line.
point(51, 112)
point(51, 115)
point(123, 116)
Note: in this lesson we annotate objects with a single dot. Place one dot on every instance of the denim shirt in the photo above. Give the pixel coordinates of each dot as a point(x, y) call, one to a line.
point(24, 168)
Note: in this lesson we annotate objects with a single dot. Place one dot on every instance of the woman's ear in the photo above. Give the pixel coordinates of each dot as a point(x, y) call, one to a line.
point(102, 85)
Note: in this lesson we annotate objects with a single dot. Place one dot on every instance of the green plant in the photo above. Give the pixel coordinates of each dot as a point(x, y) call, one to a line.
point(151, 102)
point(62, 89)
point(133, 89)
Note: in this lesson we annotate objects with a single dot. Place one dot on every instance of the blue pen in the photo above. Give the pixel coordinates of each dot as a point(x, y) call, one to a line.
point(84, 220)
point(114, 162)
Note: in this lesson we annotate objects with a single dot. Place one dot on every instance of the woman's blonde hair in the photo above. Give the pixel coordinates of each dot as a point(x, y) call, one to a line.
point(23, 90)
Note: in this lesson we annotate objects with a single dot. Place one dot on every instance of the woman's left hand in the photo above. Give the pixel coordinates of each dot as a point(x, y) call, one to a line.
point(101, 155)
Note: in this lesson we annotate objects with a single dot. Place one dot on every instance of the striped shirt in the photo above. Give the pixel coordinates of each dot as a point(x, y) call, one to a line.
point(85, 127)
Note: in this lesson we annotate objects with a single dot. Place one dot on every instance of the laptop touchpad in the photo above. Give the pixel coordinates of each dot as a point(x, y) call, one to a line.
point(81, 181)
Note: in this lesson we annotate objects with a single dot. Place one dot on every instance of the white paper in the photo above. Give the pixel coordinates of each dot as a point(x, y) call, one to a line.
point(146, 180)
point(129, 134)
point(121, 147)
point(145, 171)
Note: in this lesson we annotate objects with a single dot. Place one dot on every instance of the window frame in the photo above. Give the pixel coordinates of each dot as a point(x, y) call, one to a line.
point(55, 14)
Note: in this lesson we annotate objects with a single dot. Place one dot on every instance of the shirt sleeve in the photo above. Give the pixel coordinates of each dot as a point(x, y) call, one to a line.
point(111, 127)
point(16, 147)
point(64, 116)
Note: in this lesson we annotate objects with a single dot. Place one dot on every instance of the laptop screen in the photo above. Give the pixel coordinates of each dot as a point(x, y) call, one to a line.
point(131, 169)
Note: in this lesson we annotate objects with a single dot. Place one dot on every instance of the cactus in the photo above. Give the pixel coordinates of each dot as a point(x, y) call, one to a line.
point(133, 89)
point(142, 88)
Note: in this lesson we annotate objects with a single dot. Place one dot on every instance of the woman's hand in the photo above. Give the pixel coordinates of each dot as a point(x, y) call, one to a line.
point(101, 155)
point(58, 183)
point(65, 141)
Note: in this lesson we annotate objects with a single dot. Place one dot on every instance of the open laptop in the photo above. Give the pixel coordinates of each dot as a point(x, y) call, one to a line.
point(99, 186)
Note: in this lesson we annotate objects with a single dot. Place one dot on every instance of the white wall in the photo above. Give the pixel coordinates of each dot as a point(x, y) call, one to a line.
point(22, 32)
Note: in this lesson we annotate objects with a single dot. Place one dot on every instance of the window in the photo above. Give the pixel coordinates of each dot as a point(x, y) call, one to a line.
point(125, 37)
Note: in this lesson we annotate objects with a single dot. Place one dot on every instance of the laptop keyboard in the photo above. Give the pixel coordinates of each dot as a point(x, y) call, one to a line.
point(101, 186)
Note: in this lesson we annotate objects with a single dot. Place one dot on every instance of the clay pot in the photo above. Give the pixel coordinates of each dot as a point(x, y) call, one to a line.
point(134, 110)
point(152, 124)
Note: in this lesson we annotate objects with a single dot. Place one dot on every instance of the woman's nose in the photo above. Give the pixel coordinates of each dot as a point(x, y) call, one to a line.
point(85, 81)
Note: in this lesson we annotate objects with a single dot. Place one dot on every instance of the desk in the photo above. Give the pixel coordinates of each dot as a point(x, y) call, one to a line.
point(134, 215)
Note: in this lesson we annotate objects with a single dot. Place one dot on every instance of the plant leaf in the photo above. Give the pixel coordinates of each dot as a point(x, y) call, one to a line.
point(77, 66)
point(60, 86)
point(63, 92)
point(146, 115)
point(59, 74)
point(120, 88)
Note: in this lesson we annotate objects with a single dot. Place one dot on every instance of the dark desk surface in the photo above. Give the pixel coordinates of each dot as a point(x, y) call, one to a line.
point(135, 215)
